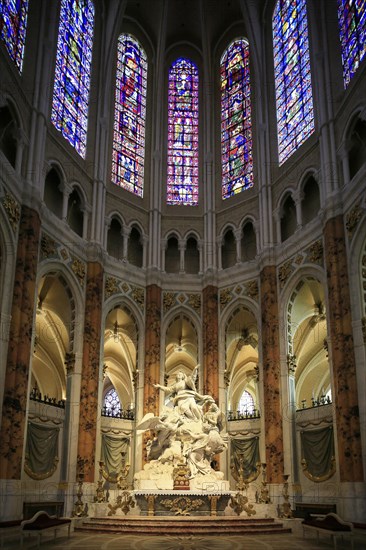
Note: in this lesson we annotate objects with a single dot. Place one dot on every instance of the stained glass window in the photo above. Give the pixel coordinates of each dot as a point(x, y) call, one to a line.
point(294, 97)
point(352, 24)
point(182, 185)
point(236, 126)
point(129, 116)
point(246, 403)
point(13, 24)
point(72, 75)
point(111, 401)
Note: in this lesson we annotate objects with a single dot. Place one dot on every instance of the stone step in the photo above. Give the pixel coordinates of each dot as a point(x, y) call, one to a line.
point(229, 525)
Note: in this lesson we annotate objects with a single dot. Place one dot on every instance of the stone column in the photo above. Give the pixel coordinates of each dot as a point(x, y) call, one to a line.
point(271, 375)
point(152, 349)
point(90, 368)
point(182, 249)
point(152, 357)
point(210, 341)
point(20, 346)
point(342, 353)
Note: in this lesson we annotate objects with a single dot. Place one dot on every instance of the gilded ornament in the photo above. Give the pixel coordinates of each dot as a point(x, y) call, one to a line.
point(182, 506)
point(44, 475)
point(238, 289)
point(111, 286)
point(251, 289)
point(78, 268)
point(64, 254)
point(12, 209)
point(194, 301)
point(125, 288)
point(291, 363)
point(316, 252)
point(125, 502)
point(48, 246)
point(284, 272)
point(239, 503)
point(225, 297)
point(138, 296)
point(181, 298)
point(318, 479)
point(69, 362)
point(168, 300)
point(352, 219)
point(299, 259)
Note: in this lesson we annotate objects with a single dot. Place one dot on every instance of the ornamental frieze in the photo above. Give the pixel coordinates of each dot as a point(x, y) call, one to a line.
point(12, 210)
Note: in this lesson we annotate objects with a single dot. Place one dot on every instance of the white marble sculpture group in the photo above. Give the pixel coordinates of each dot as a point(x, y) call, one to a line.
point(184, 434)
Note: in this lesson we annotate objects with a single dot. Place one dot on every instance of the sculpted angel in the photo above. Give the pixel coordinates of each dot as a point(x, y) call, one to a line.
point(185, 398)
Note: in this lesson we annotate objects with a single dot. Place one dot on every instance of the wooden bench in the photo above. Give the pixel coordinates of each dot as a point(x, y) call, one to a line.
point(42, 523)
point(330, 524)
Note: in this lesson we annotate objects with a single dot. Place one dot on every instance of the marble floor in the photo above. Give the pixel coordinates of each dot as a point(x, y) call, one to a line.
point(91, 541)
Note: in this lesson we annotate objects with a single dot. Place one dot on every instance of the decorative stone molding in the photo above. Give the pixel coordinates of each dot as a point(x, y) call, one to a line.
point(252, 289)
point(315, 252)
point(48, 247)
point(291, 364)
point(193, 300)
point(113, 285)
point(352, 219)
point(69, 362)
point(79, 269)
point(110, 286)
point(168, 300)
point(248, 289)
point(12, 210)
point(284, 272)
point(138, 296)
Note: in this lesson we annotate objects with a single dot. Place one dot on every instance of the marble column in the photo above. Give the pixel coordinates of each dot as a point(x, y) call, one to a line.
point(90, 369)
point(152, 357)
point(271, 375)
point(210, 341)
point(152, 349)
point(342, 353)
point(20, 346)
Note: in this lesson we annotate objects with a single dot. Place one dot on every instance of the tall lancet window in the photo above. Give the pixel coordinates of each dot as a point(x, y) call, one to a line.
point(236, 125)
point(72, 75)
point(352, 26)
point(182, 185)
point(129, 116)
point(294, 97)
point(13, 25)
